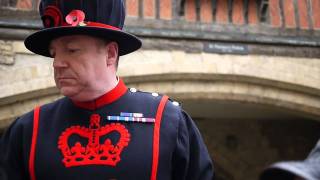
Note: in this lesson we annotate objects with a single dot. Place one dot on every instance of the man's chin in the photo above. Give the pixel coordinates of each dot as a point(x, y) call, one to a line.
point(73, 94)
point(69, 92)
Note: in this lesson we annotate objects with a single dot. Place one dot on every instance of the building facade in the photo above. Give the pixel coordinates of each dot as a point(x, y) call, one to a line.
point(247, 71)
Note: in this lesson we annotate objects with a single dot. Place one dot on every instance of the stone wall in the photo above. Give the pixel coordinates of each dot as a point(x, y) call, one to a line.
point(291, 83)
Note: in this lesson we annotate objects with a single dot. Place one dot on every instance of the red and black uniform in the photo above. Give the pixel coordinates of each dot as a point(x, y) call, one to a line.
point(120, 136)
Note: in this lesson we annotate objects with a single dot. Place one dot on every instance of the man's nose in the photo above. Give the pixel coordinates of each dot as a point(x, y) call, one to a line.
point(59, 61)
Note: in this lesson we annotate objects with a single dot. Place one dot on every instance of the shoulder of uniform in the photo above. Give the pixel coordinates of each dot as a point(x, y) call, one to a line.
point(175, 103)
point(52, 105)
point(153, 95)
point(23, 120)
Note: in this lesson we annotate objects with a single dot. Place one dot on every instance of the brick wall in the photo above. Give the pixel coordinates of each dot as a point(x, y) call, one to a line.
point(297, 14)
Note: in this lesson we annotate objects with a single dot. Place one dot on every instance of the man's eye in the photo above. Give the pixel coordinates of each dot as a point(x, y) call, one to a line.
point(73, 50)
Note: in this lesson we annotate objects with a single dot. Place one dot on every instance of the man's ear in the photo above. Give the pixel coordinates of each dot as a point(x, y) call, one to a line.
point(112, 50)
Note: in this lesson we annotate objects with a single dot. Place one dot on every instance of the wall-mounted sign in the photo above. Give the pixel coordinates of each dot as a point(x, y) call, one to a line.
point(226, 48)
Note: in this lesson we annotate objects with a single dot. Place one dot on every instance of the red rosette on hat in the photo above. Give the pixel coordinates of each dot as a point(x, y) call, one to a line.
point(52, 17)
point(75, 17)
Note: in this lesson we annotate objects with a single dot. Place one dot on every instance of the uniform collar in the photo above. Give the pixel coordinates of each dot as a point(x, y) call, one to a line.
point(105, 99)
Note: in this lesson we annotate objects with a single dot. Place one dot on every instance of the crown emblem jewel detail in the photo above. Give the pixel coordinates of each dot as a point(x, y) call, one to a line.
point(93, 153)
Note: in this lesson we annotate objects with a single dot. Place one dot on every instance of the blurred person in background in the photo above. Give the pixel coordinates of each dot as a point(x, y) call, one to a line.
point(308, 169)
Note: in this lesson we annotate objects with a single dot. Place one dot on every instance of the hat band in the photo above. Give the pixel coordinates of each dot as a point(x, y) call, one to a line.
point(92, 24)
point(96, 24)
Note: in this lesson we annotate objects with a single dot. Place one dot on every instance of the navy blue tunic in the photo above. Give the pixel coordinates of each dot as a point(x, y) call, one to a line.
point(108, 139)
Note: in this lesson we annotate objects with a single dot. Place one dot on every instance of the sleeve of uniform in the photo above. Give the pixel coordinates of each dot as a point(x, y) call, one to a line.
point(191, 160)
point(11, 153)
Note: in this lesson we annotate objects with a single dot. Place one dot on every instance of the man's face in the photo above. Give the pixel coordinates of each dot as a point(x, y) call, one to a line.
point(80, 64)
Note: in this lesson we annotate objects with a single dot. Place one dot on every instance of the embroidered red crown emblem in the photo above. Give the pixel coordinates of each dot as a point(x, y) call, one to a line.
point(94, 152)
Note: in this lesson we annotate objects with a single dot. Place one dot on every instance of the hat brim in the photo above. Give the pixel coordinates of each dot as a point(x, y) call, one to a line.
point(39, 42)
point(286, 171)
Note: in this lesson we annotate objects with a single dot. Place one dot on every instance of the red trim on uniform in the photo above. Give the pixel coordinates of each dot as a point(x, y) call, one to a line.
point(156, 137)
point(34, 142)
point(107, 98)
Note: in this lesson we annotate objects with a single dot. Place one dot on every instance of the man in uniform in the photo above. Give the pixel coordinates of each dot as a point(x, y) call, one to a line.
point(100, 130)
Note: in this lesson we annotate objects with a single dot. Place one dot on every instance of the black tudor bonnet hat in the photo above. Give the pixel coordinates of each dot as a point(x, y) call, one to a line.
point(99, 18)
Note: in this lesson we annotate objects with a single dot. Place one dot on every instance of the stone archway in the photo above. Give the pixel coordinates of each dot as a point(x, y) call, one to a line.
point(247, 122)
point(293, 99)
